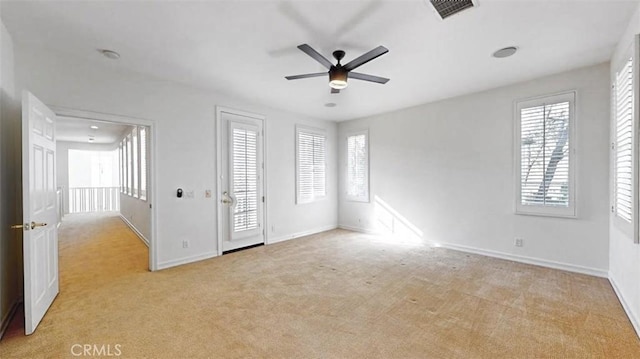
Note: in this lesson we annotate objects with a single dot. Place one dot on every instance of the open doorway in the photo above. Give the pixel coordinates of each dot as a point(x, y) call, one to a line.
point(104, 173)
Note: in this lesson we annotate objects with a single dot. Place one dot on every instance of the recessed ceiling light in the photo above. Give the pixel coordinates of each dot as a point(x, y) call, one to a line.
point(93, 127)
point(330, 104)
point(110, 54)
point(505, 52)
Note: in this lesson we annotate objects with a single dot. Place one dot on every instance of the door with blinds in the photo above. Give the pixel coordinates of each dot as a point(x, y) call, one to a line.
point(242, 186)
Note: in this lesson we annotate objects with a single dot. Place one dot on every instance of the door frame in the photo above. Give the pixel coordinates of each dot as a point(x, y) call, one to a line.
point(219, 208)
point(152, 195)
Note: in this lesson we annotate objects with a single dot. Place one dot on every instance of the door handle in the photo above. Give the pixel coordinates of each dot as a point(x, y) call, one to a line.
point(31, 225)
point(227, 199)
point(35, 224)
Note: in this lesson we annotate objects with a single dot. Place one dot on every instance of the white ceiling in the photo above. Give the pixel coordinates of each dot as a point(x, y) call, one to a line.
point(245, 48)
point(79, 130)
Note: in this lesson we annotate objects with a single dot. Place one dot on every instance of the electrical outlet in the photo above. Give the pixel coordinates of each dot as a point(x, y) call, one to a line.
point(185, 244)
point(273, 228)
point(519, 242)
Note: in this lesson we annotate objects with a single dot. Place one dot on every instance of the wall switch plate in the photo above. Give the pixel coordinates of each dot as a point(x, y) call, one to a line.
point(207, 193)
point(519, 242)
point(185, 244)
point(189, 194)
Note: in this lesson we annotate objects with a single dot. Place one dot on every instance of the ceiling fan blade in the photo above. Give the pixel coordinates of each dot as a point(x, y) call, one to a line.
point(334, 90)
point(295, 77)
point(365, 77)
point(378, 51)
point(316, 55)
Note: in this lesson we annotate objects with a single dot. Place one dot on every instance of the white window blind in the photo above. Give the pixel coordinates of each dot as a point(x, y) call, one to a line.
point(623, 158)
point(358, 167)
point(311, 165)
point(244, 182)
point(545, 156)
point(143, 162)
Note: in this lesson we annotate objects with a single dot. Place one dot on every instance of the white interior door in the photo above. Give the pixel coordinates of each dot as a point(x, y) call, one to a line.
point(40, 234)
point(241, 196)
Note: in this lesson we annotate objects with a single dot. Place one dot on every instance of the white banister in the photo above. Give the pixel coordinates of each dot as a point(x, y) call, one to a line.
point(94, 199)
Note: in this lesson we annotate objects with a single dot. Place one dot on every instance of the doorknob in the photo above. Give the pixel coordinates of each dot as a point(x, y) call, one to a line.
point(227, 199)
point(35, 224)
point(31, 225)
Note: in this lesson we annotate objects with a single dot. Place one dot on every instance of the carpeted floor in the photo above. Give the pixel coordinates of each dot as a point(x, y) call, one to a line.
point(337, 294)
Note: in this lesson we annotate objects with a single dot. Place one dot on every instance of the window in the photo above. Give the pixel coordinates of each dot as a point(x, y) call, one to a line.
point(358, 166)
point(134, 141)
point(143, 162)
point(120, 162)
point(244, 178)
point(310, 165)
point(623, 146)
point(544, 153)
point(129, 165)
point(133, 162)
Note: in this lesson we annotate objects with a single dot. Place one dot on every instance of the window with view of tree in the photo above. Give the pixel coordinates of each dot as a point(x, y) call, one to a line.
point(545, 151)
point(358, 167)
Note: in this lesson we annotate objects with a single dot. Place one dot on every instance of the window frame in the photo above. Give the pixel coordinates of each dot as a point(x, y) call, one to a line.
point(547, 210)
point(367, 197)
point(314, 132)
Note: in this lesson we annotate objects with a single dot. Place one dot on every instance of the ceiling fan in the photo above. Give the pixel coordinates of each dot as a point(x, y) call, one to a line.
point(338, 73)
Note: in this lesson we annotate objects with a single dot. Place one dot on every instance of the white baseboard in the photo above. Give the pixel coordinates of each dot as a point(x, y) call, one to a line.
point(357, 229)
point(6, 320)
point(528, 260)
point(135, 230)
point(627, 308)
point(186, 260)
point(300, 234)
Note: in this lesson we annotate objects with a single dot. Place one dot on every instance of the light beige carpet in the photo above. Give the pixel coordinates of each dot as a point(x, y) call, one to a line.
point(333, 295)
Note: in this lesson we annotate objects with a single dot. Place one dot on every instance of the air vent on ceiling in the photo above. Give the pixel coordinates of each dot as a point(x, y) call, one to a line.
point(446, 8)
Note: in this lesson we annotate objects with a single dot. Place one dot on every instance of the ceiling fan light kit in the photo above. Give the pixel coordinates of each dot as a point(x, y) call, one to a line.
point(338, 79)
point(338, 73)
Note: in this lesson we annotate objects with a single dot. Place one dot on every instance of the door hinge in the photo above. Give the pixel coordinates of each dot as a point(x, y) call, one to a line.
point(150, 206)
point(262, 199)
point(613, 145)
point(613, 209)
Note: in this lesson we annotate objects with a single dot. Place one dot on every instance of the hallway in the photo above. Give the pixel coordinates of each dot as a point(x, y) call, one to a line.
point(96, 251)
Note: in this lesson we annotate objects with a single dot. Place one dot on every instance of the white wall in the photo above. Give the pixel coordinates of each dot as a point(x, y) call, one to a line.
point(184, 126)
point(448, 169)
point(624, 255)
point(10, 182)
point(138, 215)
